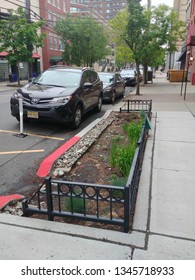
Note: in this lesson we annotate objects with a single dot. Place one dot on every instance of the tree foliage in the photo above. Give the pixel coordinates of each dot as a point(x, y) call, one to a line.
point(118, 24)
point(18, 37)
point(84, 40)
point(148, 33)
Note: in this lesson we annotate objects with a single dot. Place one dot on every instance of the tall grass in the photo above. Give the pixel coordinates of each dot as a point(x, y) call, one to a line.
point(121, 156)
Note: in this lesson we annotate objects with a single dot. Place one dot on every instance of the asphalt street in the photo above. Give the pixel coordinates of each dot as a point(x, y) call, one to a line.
point(20, 157)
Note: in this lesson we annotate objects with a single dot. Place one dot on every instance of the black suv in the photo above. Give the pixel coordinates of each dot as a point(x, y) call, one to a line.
point(60, 94)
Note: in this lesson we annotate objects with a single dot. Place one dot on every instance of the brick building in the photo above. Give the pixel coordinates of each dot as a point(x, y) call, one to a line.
point(51, 10)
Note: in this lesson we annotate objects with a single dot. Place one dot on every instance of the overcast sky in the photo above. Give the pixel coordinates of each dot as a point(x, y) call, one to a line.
point(157, 2)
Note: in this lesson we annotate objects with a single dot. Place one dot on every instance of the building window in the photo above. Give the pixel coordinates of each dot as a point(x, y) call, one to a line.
point(61, 46)
point(58, 4)
point(50, 17)
point(55, 43)
point(64, 5)
point(50, 42)
point(54, 19)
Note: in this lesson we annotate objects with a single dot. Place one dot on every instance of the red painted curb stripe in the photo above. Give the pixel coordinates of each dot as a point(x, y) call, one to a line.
point(4, 200)
point(48, 162)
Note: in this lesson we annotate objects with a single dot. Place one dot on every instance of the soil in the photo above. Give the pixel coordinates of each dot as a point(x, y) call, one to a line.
point(94, 166)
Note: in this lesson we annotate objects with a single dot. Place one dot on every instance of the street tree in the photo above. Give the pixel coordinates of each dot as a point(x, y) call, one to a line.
point(170, 28)
point(84, 39)
point(18, 37)
point(134, 34)
point(118, 24)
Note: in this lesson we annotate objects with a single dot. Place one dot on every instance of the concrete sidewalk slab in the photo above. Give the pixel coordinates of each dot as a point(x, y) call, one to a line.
point(166, 248)
point(172, 155)
point(37, 244)
point(172, 206)
point(176, 130)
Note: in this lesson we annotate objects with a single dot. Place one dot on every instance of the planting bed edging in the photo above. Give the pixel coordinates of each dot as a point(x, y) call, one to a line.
point(48, 162)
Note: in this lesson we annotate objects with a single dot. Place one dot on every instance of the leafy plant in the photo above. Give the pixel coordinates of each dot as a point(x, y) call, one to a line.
point(133, 130)
point(121, 156)
point(119, 181)
point(75, 204)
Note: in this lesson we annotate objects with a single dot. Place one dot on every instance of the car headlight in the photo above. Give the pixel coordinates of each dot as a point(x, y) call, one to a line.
point(63, 100)
point(16, 95)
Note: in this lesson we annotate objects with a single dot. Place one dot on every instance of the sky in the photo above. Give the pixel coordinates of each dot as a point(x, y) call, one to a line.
point(157, 2)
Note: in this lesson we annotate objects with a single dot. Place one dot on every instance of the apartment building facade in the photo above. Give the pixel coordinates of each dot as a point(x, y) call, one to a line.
point(7, 70)
point(107, 9)
point(51, 11)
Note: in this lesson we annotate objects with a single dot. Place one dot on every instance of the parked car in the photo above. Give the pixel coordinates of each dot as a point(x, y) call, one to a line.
point(113, 85)
point(129, 75)
point(59, 94)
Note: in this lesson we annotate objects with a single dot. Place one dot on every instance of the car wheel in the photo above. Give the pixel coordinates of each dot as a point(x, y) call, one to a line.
point(77, 117)
point(113, 97)
point(99, 104)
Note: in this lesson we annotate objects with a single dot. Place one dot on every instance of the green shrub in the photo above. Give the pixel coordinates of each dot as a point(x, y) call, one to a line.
point(75, 204)
point(121, 156)
point(119, 181)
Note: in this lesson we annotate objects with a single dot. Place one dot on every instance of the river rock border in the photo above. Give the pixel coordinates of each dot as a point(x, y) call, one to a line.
point(64, 163)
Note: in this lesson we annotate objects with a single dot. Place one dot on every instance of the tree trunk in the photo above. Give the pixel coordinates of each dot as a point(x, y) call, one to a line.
point(18, 73)
point(137, 87)
point(170, 57)
point(145, 74)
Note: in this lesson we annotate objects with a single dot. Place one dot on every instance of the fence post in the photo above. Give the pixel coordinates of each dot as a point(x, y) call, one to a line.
point(128, 104)
point(25, 207)
point(49, 198)
point(126, 209)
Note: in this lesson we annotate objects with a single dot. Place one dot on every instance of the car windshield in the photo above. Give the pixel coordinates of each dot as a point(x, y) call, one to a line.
point(128, 72)
point(59, 78)
point(106, 78)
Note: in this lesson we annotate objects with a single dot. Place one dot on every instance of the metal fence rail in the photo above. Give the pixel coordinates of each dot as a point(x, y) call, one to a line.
point(137, 106)
point(91, 202)
point(71, 199)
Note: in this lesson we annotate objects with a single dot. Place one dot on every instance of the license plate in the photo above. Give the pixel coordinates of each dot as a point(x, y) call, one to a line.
point(32, 115)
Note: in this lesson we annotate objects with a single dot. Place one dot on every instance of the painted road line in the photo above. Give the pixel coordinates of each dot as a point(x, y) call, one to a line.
point(22, 152)
point(47, 163)
point(36, 135)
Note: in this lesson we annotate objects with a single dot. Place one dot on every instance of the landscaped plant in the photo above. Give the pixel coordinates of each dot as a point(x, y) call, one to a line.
point(75, 204)
point(121, 153)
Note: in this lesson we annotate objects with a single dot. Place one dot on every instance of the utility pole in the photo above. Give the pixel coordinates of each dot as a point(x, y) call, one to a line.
point(28, 4)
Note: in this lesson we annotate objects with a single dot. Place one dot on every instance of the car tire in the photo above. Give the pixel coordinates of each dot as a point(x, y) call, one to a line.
point(113, 97)
point(77, 117)
point(99, 104)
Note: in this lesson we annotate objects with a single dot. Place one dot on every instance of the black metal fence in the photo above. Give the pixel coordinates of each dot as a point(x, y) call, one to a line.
point(91, 202)
point(137, 106)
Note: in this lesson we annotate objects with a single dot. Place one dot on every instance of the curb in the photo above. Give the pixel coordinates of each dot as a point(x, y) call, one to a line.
point(48, 162)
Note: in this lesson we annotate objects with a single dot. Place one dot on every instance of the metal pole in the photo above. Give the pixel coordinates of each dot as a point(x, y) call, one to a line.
point(182, 81)
point(21, 134)
point(186, 78)
point(21, 114)
point(28, 4)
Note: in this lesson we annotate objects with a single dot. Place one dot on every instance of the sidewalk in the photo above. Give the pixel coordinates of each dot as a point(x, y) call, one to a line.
point(7, 86)
point(164, 223)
